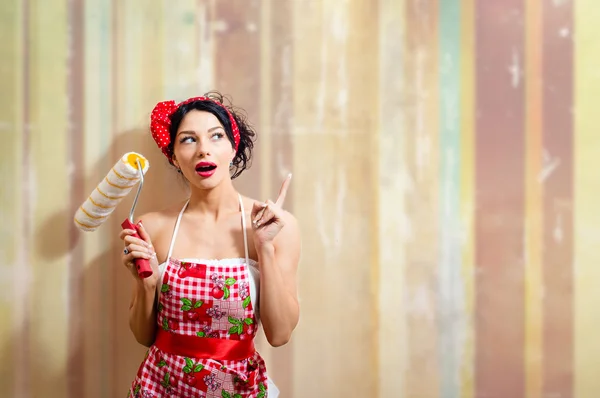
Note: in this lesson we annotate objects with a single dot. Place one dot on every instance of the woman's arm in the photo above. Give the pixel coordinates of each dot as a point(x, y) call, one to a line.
point(142, 313)
point(278, 261)
point(142, 309)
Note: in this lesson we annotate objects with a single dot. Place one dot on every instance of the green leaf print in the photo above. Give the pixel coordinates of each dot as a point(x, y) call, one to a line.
point(137, 389)
point(160, 307)
point(165, 324)
point(186, 301)
point(246, 302)
point(187, 369)
point(185, 307)
point(248, 321)
point(162, 363)
point(225, 394)
point(233, 320)
point(189, 363)
point(226, 291)
point(164, 288)
point(260, 394)
point(200, 334)
point(198, 368)
point(198, 304)
point(237, 396)
point(165, 382)
point(230, 281)
point(234, 329)
point(261, 387)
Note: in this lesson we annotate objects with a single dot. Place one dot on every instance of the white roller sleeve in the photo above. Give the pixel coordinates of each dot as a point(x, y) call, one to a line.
point(112, 189)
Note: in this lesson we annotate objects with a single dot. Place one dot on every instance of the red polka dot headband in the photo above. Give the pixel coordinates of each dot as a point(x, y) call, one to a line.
point(160, 122)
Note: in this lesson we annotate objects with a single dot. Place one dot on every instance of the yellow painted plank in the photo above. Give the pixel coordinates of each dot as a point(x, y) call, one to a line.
point(587, 197)
point(423, 374)
point(362, 59)
point(333, 52)
point(266, 116)
point(188, 61)
point(265, 144)
point(49, 170)
point(11, 195)
point(310, 74)
point(533, 203)
point(467, 190)
point(392, 222)
point(140, 81)
point(95, 311)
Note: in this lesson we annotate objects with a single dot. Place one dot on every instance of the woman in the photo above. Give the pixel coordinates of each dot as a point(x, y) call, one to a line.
point(219, 260)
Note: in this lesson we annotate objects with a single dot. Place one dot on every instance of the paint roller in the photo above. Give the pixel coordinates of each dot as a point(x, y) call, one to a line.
point(125, 174)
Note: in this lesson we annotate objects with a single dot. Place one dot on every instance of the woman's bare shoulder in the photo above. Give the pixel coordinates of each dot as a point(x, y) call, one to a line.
point(158, 220)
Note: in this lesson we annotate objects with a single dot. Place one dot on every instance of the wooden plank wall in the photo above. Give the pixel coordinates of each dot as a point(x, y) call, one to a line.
point(443, 155)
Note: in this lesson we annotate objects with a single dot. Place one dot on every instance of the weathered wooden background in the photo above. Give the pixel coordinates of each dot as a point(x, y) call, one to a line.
point(446, 158)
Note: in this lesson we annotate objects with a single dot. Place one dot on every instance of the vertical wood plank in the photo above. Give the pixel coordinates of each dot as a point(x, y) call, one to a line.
point(500, 207)
point(587, 197)
point(533, 203)
point(96, 149)
point(333, 126)
point(237, 45)
point(422, 100)
point(452, 327)
point(277, 153)
point(392, 185)
point(12, 305)
point(467, 192)
point(361, 121)
point(74, 161)
point(47, 302)
point(557, 176)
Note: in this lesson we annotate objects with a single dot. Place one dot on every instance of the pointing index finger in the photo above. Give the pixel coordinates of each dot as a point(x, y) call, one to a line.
point(283, 190)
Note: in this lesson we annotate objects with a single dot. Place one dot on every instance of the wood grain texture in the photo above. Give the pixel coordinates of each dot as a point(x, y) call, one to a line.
point(422, 198)
point(534, 193)
point(12, 300)
point(48, 298)
point(468, 112)
point(392, 220)
point(558, 199)
point(416, 132)
point(500, 197)
point(587, 196)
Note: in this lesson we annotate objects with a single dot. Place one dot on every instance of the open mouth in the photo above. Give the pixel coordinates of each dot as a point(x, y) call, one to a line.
point(205, 168)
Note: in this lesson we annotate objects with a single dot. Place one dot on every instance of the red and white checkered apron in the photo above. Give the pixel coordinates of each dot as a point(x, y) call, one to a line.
point(204, 345)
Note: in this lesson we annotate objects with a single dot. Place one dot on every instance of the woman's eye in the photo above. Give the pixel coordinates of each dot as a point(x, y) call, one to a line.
point(186, 139)
point(217, 136)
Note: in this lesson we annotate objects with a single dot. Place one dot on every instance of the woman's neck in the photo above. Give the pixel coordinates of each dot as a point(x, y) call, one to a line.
point(222, 199)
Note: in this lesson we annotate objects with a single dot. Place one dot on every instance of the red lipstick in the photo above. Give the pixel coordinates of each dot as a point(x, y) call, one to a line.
point(206, 169)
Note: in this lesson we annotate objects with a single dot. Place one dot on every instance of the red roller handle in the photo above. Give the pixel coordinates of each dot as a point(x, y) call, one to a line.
point(143, 265)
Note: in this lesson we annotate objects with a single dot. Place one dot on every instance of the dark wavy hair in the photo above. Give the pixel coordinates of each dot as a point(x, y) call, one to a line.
point(243, 156)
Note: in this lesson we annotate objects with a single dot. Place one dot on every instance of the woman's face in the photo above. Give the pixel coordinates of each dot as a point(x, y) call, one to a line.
point(202, 150)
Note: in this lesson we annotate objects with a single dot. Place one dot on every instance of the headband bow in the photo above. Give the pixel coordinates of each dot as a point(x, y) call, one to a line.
point(160, 123)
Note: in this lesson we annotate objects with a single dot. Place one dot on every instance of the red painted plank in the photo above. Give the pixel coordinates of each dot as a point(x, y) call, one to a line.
point(500, 197)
